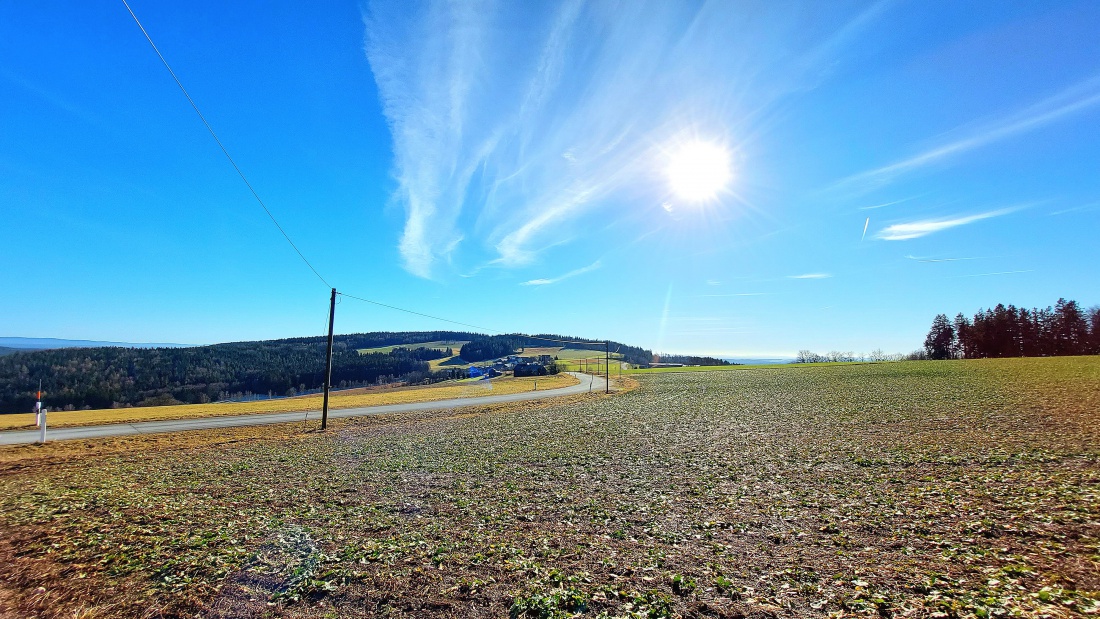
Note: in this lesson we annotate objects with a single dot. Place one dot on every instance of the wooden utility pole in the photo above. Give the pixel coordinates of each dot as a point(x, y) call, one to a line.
point(328, 360)
point(607, 366)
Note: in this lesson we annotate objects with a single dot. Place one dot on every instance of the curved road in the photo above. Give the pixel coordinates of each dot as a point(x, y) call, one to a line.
point(593, 383)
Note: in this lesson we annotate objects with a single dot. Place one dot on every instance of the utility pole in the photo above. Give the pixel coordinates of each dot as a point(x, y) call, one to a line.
point(328, 359)
point(607, 366)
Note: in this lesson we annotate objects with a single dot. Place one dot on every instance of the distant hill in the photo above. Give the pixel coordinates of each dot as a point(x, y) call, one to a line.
point(491, 347)
point(7, 351)
point(135, 375)
point(49, 343)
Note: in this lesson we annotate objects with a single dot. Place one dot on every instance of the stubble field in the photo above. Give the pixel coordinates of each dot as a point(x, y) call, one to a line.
point(921, 489)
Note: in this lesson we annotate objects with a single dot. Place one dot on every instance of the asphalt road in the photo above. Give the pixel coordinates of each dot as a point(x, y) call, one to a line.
point(593, 383)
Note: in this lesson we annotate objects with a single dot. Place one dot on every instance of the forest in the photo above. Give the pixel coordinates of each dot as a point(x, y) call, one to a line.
point(78, 378)
point(1008, 331)
point(485, 348)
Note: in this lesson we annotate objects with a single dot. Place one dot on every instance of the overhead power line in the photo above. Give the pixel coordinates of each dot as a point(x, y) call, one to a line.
point(408, 311)
point(456, 322)
point(222, 146)
point(550, 339)
point(282, 231)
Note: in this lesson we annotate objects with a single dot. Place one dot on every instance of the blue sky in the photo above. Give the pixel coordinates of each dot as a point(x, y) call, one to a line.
point(505, 164)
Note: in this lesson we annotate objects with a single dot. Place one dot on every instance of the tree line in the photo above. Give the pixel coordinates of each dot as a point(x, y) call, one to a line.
point(484, 348)
point(1008, 331)
point(690, 360)
point(105, 377)
point(77, 378)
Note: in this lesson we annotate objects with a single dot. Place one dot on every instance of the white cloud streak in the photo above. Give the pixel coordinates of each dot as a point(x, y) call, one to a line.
point(1076, 98)
point(917, 229)
point(998, 273)
point(1078, 209)
point(884, 204)
point(919, 259)
point(810, 276)
point(553, 280)
point(511, 122)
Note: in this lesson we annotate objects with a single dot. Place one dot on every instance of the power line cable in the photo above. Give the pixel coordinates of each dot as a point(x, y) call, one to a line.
point(408, 311)
point(456, 322)
point(220, 145)
point(255, 195)
point(550, 339)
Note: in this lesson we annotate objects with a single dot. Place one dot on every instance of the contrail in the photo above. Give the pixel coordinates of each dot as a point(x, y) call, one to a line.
point(865, 224)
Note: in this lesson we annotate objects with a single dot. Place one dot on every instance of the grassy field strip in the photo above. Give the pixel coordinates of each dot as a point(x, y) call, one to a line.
point(566, 354)
point(441, 391)
point(568, 357)
point(453, 362)
point(755, 366)
point(439, 345)
point(777, 366)
point(594, 366)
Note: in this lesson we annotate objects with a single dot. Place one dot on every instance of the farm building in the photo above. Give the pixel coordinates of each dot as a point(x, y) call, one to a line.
point(530, 369)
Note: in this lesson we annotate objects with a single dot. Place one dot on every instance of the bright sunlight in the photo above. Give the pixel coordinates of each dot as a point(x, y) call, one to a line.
point(698, 170)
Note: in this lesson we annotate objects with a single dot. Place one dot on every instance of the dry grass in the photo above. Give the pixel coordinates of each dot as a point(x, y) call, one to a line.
point(930, 489)
point(355, 399)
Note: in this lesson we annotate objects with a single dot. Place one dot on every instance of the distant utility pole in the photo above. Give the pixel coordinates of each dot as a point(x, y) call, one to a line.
point(607, 366)
point(328, 359)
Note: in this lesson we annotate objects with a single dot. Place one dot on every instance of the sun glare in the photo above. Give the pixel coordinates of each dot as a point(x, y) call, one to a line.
point(699, 170)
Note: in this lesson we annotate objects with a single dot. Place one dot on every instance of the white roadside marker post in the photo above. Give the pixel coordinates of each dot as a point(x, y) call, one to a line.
point(42, 427)
point(38, 416)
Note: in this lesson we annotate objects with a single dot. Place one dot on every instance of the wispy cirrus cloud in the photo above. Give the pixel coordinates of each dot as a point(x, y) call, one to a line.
point(1071, 100)
point(917, 229)
point(512, 121)
point(810, 276)
point(885, 204)
point(553, 280)
point(1084, 208)
point(998, 273)
point(920, 259)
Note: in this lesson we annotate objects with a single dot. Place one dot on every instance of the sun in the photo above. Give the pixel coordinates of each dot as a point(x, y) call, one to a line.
point(698, 170)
